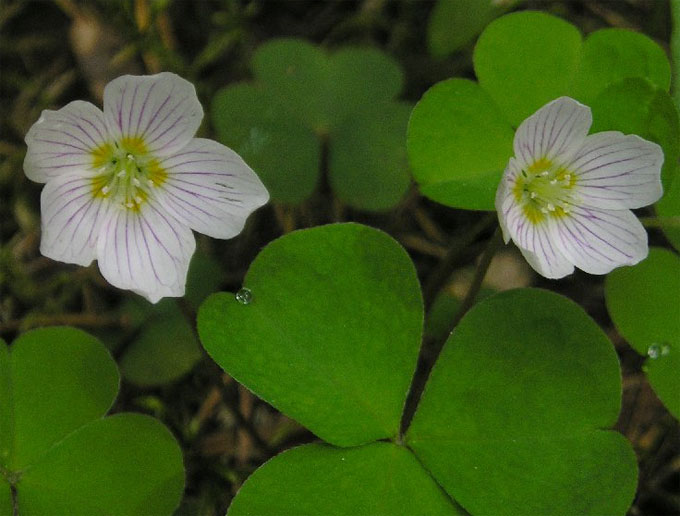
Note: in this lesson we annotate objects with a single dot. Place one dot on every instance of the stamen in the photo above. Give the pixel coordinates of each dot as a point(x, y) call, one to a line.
point(544, 173)
point(150, 182)
point(121, 173)
point(129, 205)
point(553, 181)
point(138, 200)
point(551, 207)
point(136, 182)
point(106, 189)
point(130, 157)
point(533, 195)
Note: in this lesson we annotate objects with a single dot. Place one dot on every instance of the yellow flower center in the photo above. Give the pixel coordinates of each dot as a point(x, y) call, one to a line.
point(544, 189)
point(126, 172)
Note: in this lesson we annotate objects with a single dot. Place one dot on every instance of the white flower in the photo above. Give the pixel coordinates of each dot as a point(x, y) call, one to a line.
point(565, 197)
point(128, 185)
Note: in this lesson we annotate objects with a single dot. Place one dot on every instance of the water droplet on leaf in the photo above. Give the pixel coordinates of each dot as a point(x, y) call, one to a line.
point(244, 296)
point(658, 350)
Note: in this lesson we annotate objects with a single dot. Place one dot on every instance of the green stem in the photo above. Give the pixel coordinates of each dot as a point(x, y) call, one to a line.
point(429, 354)
point(494, 244)
point(457, 250)
point(675, 49)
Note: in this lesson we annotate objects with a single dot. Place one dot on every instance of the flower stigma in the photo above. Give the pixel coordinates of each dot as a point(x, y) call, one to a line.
point(126, 172)
point(544, 189)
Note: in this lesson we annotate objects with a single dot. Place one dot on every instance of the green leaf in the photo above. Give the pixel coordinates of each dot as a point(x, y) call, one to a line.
point(636, 106)
point(458, 145)
point(644, 303)
point(164, 350)
point(6, 411)
point(644, 300)
point(669, 207)
point(204, 277)
point(6, 504)
point(610, 55)
point(285, 154)
point(322, 90)
point(379, 478)
point(298, 74)
point(304, 96)
point(526, 59)
point(453, 24)
point(120, 465)
point(367, 158)
point(514, 407)
point(663, 373)
point(57, 379)
point(359, 79)
point(331, 335)
point(55, 449)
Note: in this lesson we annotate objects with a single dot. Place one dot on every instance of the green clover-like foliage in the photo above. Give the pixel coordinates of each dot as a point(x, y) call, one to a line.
point(58, 452)
point(515, 407)
point(460, 133)
point(317, 334)
point(644, 303)
point(305, 102)
point(378, 478)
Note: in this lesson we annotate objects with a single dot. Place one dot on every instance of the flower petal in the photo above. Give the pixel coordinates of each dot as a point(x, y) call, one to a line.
point(161, 110)
point(63, 141)
point(554, 132)
point(504, 198)
point(616, 171)
point(598, 241)
point(146, 251)
point(533, 240)
point(210, 188)
point(71, 219)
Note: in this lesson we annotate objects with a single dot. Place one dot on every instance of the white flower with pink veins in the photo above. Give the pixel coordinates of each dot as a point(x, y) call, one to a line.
point(127, 186)
point(565, 197)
